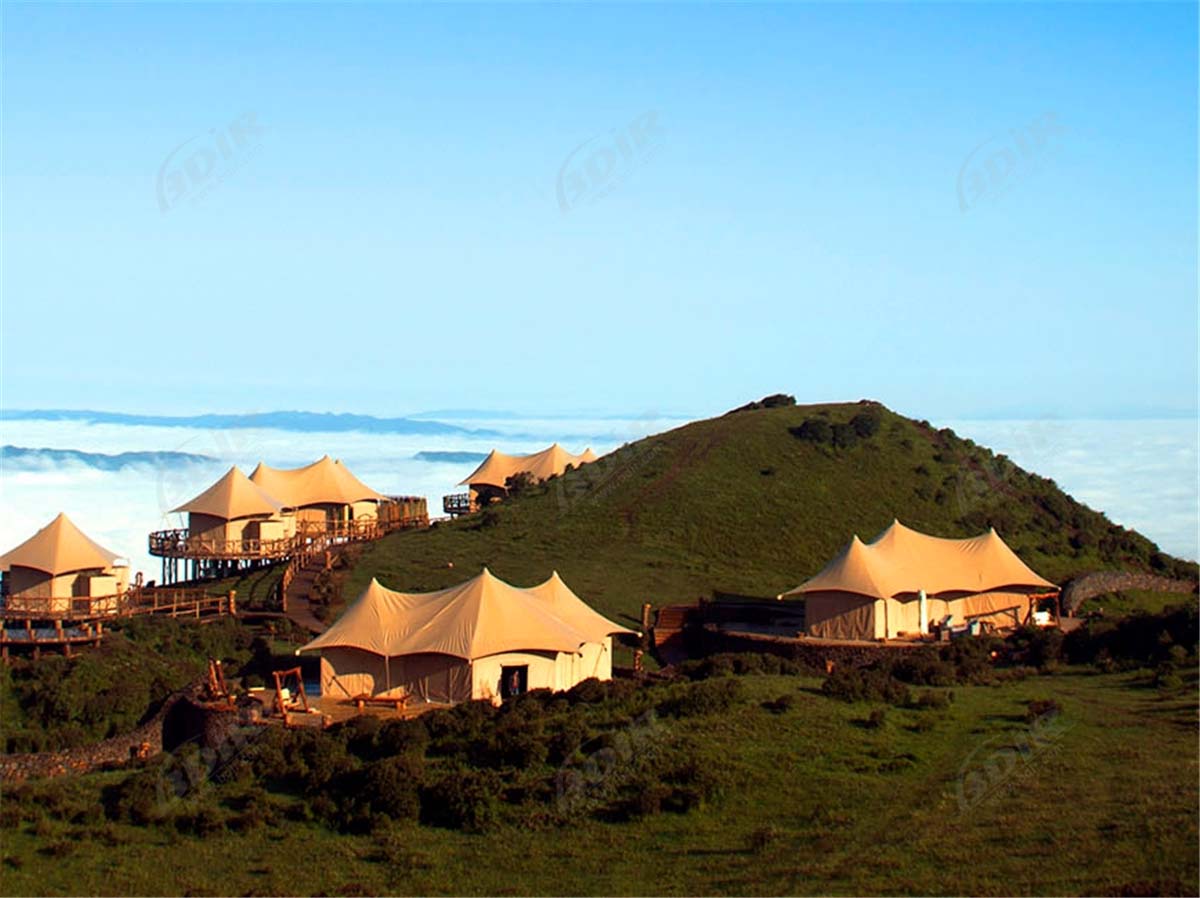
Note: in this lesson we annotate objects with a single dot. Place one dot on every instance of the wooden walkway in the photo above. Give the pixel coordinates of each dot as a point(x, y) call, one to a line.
point(35, 625)
point(297, 604)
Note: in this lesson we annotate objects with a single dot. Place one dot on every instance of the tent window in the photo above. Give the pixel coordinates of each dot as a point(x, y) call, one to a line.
point(514, 680)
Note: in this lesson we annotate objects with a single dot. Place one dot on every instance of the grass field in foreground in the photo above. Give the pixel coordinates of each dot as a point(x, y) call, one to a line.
point(820, 803)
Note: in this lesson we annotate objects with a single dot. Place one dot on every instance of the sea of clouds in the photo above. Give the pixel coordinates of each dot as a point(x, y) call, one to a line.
point(119, 508)
point(1143, 474)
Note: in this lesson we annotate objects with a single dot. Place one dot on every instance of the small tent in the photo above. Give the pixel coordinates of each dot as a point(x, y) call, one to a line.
point(326, 490)
point(491, 477)
point(482, 639)
point(902, 581)
point(60, 563)
point(234, 510)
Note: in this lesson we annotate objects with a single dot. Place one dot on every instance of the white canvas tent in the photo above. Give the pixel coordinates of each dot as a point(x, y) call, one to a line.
point(897, 584)
point(495, 470)
point(476, 640)
point(59, 563)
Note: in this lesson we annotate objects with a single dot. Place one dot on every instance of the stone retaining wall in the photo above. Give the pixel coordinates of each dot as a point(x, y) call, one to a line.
point(1100, 583)
point(145, 741)
point(811, 653)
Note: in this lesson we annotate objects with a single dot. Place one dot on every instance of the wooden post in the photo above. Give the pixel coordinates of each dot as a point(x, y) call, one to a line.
point(233, 602)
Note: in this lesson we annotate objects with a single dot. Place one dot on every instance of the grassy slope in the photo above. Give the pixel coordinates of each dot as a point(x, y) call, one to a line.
point(854, 811)
point(737, 503)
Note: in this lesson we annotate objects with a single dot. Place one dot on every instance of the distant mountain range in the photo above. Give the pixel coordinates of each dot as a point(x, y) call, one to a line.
point(454, 457)
point(303, 422)
point(26, 459)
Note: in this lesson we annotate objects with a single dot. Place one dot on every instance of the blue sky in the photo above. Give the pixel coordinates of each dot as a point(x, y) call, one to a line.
point(976, 210)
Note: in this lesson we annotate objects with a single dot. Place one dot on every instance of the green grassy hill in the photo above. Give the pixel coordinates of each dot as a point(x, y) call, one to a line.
point(819, 802)
point(754, 502)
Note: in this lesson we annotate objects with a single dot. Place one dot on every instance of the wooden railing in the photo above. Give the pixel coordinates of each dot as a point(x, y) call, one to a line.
point(190, 602)
point(34, 629)
point(181, 544)
point(457, 503)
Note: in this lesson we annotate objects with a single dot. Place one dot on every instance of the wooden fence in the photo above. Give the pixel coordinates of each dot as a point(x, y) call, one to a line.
point(32, 626)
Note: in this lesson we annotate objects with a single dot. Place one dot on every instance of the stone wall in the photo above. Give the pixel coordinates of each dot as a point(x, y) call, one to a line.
point(817, 654)
point(1103, 582)
point(145, 741)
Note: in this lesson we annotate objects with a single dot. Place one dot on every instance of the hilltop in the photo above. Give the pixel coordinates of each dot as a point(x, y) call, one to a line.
point(754, 502)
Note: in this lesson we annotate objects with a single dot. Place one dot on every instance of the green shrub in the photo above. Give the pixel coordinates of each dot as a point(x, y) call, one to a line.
point(875, 684)
point(588, 692)
point(843, 436)
point(135, 799)
point(408, 736)
point(360, 735)
point(704, 697)
point(463, 799)
point(1166, 678)
point(740, 663)
point(393, 786)
point(814, 430)
point(204, 821)
point(865, 424)
point(516, 740)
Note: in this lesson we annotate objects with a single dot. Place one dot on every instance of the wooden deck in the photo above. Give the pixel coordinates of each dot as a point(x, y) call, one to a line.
point(456, 504)
point(203, 558)
point(35, 625)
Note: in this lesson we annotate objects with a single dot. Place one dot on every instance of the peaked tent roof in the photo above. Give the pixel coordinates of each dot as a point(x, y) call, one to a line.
point(568, 607)
point(483, 616)
point(58, 548)
point(902, 560)
point(233, 496)
point(324, 481)
point(498, 466)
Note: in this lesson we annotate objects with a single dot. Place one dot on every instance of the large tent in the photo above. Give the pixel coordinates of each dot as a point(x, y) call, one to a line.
point(498, 467)
point(235, 509)
point(323, 490)
point(482, 639)
point(58, 563)
point(904, 580)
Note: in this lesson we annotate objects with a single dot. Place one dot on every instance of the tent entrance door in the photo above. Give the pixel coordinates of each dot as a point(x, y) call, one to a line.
point(514, 680)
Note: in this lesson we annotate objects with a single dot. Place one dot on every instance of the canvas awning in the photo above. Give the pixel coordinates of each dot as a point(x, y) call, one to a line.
point(324, 482)
point(904, 561)
point(233, 496)
point(498, 466)
point(58, 548)
point(483, 616)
